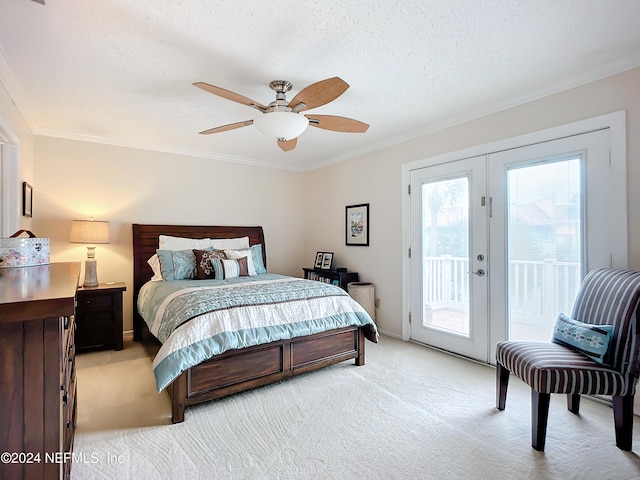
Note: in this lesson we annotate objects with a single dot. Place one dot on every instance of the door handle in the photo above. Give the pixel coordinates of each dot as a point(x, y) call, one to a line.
point(479, 272)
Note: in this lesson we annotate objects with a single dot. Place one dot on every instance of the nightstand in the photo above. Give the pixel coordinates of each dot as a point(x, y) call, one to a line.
point(99, 317)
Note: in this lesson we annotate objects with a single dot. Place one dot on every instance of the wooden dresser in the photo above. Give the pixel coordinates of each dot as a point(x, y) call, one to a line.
point(37, 370)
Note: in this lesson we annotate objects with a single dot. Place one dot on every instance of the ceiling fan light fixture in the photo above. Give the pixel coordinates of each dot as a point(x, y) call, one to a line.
point(282, 126)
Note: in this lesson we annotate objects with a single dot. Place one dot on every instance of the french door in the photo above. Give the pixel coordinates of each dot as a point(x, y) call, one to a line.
point(500, 242)
point(449, 207)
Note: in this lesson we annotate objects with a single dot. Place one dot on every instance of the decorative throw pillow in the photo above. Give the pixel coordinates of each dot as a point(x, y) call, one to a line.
point(237, 254)
point(588, 339)
point(204, 269)
point(254, 258)
point(226, 268)
point(177, 264)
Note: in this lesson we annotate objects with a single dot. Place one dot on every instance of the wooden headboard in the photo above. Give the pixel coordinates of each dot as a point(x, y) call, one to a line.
point(145, 243)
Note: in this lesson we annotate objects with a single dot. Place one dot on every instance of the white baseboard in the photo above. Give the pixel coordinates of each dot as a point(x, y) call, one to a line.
point(389, 334)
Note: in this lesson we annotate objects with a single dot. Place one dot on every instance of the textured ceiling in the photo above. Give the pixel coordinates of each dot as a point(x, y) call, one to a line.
point(121, 71)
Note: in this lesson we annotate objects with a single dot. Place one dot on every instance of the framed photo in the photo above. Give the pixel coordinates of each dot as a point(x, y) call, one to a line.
point(327, 260)
point(357, 225)
point(27, 199)
point(318, 262)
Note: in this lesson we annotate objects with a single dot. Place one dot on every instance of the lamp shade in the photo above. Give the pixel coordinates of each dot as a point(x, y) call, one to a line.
point(281, 125)
point(89, 231)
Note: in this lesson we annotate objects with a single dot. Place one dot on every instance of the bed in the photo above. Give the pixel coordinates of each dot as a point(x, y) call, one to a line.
point(237, 369)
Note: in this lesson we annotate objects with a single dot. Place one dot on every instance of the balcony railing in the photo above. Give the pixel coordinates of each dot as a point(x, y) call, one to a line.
point(446, 282)
point(538, 290)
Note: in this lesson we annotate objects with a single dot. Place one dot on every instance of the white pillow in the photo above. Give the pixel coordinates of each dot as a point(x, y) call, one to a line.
point(154, 263)
point(222, 243)
point(166, 242)
point(237, 254)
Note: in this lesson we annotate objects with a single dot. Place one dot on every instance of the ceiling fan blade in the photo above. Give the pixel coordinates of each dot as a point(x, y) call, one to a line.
point(288, 144)
point(319, 93)
point(337, 124)
point(224, 128)
point(234, 97)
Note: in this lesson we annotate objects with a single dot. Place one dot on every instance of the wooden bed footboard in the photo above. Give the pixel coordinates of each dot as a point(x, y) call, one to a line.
point(239, 370)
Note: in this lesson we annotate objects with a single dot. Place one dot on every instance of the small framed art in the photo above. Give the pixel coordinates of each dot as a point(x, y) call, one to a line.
point(357, 225)
point(327, 260)
point(318, 262)
point(27, 199)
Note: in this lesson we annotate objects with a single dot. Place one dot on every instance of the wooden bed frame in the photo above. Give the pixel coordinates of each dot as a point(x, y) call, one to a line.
point(237, 370)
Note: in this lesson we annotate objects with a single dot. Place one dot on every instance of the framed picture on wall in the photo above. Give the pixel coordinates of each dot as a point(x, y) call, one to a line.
point(357, 225)
point(318, 262)
point(27, 199)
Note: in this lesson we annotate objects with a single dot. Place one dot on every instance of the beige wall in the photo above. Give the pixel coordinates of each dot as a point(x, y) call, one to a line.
point(375, 178)
point(78, 180)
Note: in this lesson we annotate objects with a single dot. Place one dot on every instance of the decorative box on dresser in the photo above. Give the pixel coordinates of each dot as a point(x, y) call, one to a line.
point(37, 370)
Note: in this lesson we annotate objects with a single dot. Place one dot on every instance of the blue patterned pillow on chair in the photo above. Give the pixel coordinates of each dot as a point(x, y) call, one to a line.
point(591, 340)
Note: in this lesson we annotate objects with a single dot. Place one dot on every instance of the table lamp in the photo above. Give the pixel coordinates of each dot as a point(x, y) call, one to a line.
point(91, 233)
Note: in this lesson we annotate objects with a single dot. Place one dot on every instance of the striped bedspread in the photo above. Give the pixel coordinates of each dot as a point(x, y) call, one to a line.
point(197, 319)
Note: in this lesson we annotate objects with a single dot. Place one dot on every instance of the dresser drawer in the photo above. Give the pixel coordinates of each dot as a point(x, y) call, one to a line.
point(69, 366)
point(70, 410)
point(94, 302)
point(68, 330)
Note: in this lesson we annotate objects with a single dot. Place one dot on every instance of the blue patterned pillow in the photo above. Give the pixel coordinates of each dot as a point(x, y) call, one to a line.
point(256, 253)
point(177, 264)
point(589, 339)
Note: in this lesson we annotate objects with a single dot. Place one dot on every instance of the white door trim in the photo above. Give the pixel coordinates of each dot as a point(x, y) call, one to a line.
point(615, 121)
point(10, 177)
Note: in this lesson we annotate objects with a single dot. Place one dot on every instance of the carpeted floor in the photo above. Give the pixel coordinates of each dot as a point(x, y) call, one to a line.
point(409, 413)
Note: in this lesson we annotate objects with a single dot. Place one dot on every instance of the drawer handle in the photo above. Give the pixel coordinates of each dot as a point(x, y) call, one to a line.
point(65, 397)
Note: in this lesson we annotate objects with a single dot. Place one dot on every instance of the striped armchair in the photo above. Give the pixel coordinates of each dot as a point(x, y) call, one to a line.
point(606, 297)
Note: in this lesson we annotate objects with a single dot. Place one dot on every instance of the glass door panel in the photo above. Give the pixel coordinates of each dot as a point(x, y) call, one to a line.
point(544, 245)
point(446, 255)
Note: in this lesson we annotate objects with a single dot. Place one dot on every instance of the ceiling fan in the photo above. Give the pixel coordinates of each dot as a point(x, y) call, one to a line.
point(282, 119)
